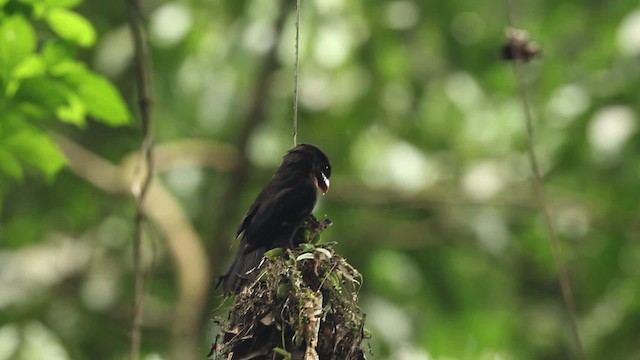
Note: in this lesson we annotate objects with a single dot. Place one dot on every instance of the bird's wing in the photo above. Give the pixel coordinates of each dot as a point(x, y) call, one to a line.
point(289, 205)
point(248, 216)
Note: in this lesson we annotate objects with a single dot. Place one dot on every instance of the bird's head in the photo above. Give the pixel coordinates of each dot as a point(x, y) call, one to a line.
point(313, 160)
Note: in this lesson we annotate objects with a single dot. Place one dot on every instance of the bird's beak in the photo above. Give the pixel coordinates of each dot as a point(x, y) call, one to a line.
point(324, 184)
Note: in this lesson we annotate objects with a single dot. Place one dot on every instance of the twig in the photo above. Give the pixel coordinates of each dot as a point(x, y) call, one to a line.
point(563, 277)
point(143, 67)
point(296, 68)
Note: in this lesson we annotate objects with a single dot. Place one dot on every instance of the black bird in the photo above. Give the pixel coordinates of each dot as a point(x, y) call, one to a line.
point(278, 211)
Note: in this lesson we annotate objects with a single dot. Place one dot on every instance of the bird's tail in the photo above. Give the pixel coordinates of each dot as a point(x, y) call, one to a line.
point(241, 270)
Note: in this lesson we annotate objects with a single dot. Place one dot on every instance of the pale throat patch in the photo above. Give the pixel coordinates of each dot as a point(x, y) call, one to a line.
point(326, 180)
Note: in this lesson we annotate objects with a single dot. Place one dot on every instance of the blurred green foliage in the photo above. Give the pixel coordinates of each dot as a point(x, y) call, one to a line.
point(431, 197)
point(41, 80)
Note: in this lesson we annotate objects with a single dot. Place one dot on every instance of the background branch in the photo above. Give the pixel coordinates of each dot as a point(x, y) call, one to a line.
point(189, 255)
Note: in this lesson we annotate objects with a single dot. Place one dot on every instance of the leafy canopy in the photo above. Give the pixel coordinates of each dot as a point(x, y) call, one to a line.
point(42, 80)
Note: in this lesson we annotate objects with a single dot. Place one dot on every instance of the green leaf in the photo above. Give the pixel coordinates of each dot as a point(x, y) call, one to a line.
point(71, 26)
point(31, 66)
point(274, 253)
point(63, 3)
point(10, 165)
point(34, 147)
point(290, 262)
point(54, 52)
point(17, 41)
point(103, 101)
point(334, 280)
point(307, 247)
point(71, 70)
point(40, 97)
point(282, 291)
point(25, 8)
point(74, 112)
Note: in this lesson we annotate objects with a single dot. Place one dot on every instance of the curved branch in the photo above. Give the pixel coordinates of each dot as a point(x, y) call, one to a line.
point(201, 153)
point(94, 169)
point(189, 255)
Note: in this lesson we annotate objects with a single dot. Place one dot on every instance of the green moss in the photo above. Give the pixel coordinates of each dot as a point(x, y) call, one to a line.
point(303, 305)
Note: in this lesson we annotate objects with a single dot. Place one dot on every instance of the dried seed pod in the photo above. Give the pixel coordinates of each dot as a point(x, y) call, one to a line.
point(518, 47)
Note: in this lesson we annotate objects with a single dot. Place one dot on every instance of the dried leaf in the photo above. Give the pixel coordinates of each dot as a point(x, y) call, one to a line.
point(326, 252)
point(305, 256)
point(518, 47)
point(268, 319)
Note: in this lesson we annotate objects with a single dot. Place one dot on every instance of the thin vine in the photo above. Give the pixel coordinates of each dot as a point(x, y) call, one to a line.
point(140, 187)
point(519, 50)
point(295, 76)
